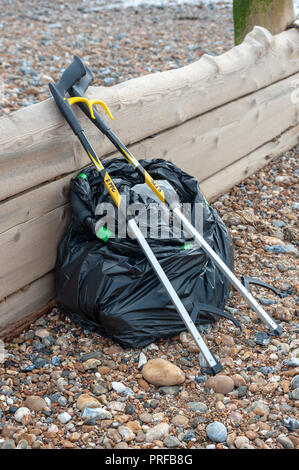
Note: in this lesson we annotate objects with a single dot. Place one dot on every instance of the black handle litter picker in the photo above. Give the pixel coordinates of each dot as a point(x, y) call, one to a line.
point(78, 90)
point(59, 94)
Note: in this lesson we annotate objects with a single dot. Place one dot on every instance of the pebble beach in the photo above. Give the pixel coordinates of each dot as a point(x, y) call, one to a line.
point(65, 387)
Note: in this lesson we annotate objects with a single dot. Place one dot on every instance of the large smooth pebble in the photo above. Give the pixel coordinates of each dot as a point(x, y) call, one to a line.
point(160, 372)
point(35, 403)
point(87, 401)
point(220, 384)
point(216, 432)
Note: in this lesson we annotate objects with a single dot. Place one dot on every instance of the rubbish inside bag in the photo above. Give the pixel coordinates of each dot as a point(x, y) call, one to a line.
point(103, 280)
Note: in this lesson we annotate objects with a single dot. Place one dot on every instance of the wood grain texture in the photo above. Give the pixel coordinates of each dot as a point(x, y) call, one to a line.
point(34, 203)
point(206, 144)
point(225, 179)
point(28, 251)
point(23, 307)
point(36, 144)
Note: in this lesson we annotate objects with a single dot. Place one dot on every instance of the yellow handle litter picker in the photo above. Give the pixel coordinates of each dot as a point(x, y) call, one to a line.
point(72, 74)
point(78, 90)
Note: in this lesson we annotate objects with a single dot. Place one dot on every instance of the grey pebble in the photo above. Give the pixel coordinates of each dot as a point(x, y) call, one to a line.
point(48, 341)
point(201, 378)
point(130, 409)
point(93, 355)
point(292, 362)
point(290, 423)
point(64, 417)
point(154, 404)
point(278, 223)
point(9, 444)
point(55, 361)
point(285, 442)
point(242, 391)
point(170, 390)
point(40, 362)
point(108, 81)
point(171, 441)
point(188, 436)
point(295, 382)
point(197, 406)
point(216, 432)
point(55, 397)
point(266, 301)
point(262, 338)
point(275, 249)
point(62, 401)
point(282, 268)
point(295, 394)
point(266, 370)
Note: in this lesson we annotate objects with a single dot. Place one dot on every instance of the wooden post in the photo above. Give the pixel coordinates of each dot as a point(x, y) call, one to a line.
point(274, 15)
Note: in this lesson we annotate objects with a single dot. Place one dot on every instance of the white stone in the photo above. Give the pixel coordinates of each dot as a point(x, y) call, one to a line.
point(118, 387)
point(126, 433)
point(152, 347)
point(157, 417)
point(116, 406)
point(99, 413)
point(64, 417)
point(20, 413)
point(142, 360)
point(48, 401)
point(53, 428)
point(274, 378)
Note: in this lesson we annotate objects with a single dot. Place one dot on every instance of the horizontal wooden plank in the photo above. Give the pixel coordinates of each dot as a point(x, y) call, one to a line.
point(28, 251)
point(37, 145)
point(34, 203)
point(21, 308)
point(233, 174)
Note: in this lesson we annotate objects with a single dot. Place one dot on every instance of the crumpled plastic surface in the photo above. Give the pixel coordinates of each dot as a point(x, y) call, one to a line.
point(111, 288)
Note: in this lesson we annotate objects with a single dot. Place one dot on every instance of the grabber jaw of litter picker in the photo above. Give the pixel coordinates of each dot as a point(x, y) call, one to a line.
point(80, 87)
point(276, 331)
point(72, 74)
point(218, 367)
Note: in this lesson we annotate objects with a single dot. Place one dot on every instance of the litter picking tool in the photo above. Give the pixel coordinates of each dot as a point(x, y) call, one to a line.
point(64, 104)
point(77, 90)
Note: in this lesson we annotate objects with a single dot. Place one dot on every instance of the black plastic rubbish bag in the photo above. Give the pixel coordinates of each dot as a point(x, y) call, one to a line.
point(110, 287)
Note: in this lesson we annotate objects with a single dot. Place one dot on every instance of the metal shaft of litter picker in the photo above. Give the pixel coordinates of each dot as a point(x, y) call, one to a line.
point(272, 325)
point(213, 364)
